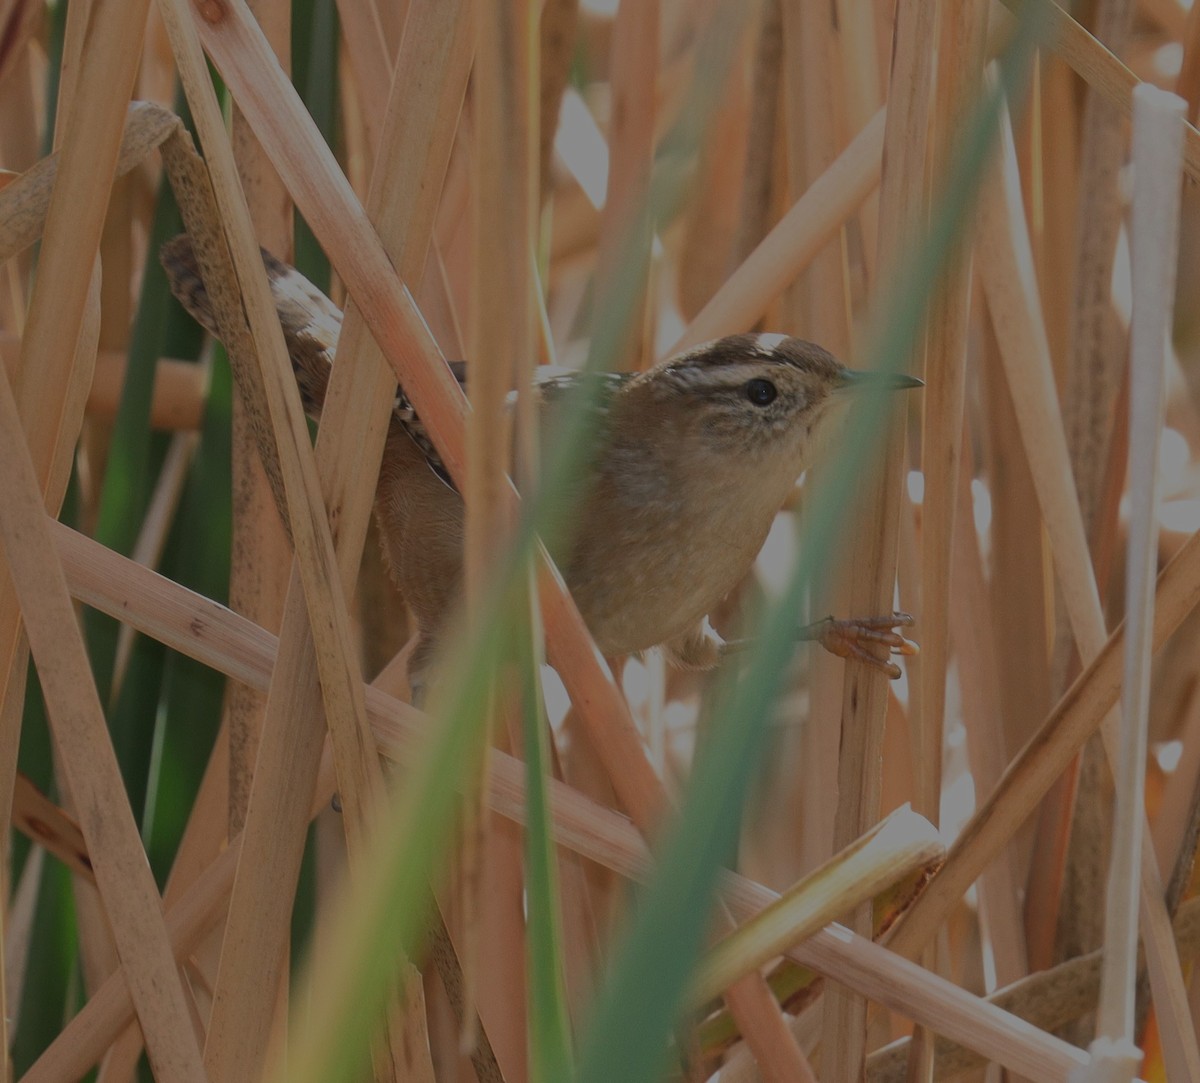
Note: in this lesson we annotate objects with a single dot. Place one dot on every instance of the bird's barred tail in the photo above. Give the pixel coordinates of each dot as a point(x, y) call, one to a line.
point(310, 321)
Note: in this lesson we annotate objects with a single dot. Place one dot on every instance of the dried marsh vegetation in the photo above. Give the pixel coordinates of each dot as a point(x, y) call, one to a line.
point(790, 868)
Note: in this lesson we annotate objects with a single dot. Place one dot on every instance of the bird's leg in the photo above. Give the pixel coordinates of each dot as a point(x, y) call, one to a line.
point(870, 640)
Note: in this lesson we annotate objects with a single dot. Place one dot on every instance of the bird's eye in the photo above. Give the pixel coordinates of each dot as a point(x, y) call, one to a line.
point(761, 392)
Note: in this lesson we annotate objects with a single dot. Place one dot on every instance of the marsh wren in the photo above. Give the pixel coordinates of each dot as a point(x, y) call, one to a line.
point(695, 458)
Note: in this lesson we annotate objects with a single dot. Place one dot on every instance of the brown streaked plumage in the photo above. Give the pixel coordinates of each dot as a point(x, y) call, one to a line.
point(695, 458)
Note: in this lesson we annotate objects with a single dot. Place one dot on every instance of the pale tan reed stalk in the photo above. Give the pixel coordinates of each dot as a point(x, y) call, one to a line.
point(362, 786)
point(1080, 808)
point(958, 82)
point(1157, 157)
point(370, 65)
point(59, 342)
point(202, 843)
point(816, 305)
point(260, 557)
point(875, 504)
point(971, 624)
point(1006, 271)
point(179, 391)
point(130, 897)
point(862, 84)
point(500, 340)
point(1000, 667)
point(237, 1035)
point(623, 249)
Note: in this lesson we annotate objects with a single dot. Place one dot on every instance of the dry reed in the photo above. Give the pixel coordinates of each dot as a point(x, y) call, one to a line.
point(804, 155)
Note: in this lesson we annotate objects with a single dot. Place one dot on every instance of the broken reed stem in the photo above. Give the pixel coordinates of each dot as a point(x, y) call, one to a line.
point(899, 844)
point(1006, 271)
point(1157, 157)
point(1095, 63)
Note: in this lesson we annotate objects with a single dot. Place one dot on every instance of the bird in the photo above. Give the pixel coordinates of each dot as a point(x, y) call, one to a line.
point(694, 459)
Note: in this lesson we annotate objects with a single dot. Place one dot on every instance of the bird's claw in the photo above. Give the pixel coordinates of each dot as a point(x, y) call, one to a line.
point(870, 640)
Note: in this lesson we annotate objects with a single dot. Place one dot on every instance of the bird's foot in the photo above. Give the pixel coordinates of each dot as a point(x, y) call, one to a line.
point(870, 640)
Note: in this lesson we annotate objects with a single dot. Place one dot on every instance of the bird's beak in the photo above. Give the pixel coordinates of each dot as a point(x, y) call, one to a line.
point(878, 381)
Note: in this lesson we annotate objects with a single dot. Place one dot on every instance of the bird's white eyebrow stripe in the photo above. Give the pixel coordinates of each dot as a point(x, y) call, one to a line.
point(716, 376)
